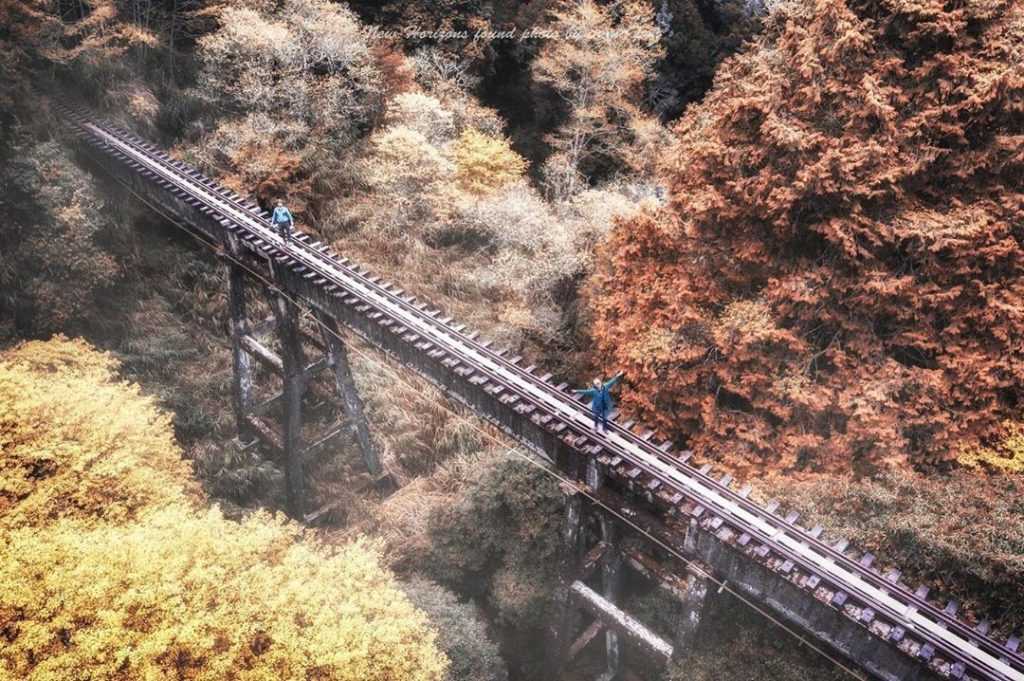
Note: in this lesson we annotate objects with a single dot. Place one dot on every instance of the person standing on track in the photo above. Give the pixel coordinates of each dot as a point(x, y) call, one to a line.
point(601, 403)
point(282, 221)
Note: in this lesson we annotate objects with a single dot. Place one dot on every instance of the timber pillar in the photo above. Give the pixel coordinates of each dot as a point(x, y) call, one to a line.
point(294, 386)
point(240, 359)
point(565, 620)
point(337, 357)
point(694, 599)
point(274, 350)
point(611, 575)
point(603, 550)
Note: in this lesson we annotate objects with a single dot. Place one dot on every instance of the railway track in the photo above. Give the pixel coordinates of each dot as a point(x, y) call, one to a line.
point(830, 571)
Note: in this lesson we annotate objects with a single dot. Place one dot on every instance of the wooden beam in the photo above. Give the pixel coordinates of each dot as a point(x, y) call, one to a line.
point(316, 367)
point(588, 635)
point(242, 393)
point(314, 340)
point(611, 576)
point(293, 363)
point(264, 327)
point(326, 508)
point(661, 575)
point(592, 560)
point(331, 505)
point(346, 385)
point(265, 433)
point(318, 446)
point(264, 407)
point(263, 353)
point(616, 619)
point(565, 617)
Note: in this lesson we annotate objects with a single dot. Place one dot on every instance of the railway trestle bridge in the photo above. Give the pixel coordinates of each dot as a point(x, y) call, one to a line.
point(632, 503)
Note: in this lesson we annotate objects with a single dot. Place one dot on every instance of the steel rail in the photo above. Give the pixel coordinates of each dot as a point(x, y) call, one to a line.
point(784, 538)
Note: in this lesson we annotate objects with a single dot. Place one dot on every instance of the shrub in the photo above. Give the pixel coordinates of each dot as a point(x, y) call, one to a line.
point(421, 431)
point(462, 633)
point(397, 71)
point(534, 248)
point(405, 164)
point(424, 114)
point(443, 74)
point(484, 164)
point(260, 154)
point(975, 554)
point(451, 80)
point(520, 594)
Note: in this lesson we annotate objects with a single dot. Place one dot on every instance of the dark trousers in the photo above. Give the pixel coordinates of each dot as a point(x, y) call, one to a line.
point(600, 418)
point(285, 230)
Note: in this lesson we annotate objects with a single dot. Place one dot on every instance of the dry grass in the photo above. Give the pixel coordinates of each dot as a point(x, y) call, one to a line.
point(417, 428)
point(402, 520)
point(962, 534)
point(503, 263)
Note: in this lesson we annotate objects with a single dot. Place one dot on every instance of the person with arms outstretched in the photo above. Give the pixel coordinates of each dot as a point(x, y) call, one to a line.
point(601, 403)
point(282, 221)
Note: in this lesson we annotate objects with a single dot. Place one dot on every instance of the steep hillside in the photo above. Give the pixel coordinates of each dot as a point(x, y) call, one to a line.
point(836, 283)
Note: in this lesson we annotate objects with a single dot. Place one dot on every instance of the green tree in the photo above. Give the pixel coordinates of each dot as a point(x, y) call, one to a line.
point(462, 632)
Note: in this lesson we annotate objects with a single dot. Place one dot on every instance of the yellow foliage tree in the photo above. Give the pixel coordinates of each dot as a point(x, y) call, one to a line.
point(77, 442)
point(405, 164)
point(485, 163)
point(1006, 457)
point(111, 572)
point(184, 595)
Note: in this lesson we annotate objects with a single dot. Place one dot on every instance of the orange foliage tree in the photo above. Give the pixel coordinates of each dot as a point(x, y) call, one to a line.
point(837, 279)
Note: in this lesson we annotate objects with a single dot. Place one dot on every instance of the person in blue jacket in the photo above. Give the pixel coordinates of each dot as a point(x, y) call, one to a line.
point(282, 221)
point(601, 403)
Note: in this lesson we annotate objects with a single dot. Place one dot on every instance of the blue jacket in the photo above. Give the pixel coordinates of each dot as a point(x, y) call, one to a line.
point(601, 398)
point(281, 215)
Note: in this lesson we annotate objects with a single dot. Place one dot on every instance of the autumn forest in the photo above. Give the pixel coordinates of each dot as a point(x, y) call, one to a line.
point(796, 226)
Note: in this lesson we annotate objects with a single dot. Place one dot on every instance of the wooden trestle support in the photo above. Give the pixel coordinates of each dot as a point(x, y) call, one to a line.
point(601, 552)
point(251, 345)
